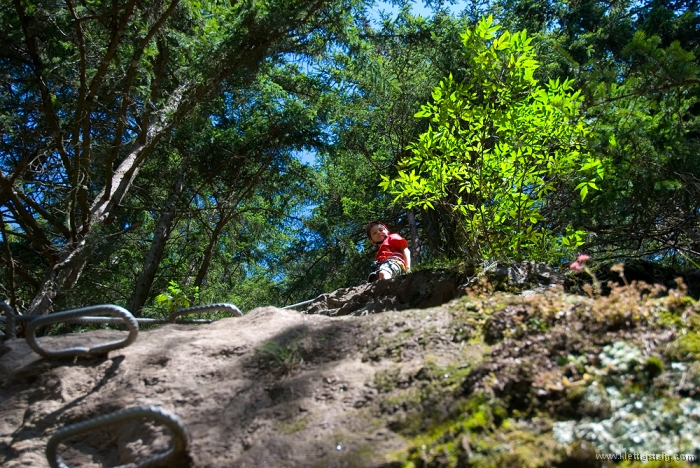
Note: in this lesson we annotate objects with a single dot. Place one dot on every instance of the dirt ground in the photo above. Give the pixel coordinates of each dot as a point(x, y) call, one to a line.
point(488, 379)
point(273, 388)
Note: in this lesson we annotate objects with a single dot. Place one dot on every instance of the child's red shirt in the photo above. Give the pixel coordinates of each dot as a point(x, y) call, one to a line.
point(392, 247)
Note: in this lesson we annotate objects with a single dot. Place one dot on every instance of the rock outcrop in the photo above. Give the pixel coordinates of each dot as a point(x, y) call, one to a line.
point(430, 288)
point(423, 289)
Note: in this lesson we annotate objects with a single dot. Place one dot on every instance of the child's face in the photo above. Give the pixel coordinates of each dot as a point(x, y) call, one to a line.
point(378, 233)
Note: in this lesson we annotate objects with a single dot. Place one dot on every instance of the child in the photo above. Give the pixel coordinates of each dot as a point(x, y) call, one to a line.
point(393, 256)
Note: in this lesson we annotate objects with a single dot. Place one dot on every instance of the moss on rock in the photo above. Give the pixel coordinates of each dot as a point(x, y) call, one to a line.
point(559, 368)
point(685, 348)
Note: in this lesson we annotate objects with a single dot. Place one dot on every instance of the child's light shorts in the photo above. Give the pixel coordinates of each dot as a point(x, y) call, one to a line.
point(391, 267)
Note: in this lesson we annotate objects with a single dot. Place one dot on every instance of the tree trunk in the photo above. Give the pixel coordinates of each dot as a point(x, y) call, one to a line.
point(206, 261)
point(415, 241)
point(61, 278)
point(155, 254)
point(431, 228)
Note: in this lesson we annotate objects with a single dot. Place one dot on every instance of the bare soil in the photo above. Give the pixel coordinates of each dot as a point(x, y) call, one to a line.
point(481, 380)
point(305, 401)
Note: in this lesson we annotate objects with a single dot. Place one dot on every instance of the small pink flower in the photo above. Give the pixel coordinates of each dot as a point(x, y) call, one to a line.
point(576, 266)
point(582, 258)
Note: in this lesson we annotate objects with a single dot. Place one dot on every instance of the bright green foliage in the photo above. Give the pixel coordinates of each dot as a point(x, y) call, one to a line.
point(371, 86)
point(175, 298)
point(500, 144)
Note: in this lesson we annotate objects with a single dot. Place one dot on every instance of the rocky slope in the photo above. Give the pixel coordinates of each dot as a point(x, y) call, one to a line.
point(486, 379)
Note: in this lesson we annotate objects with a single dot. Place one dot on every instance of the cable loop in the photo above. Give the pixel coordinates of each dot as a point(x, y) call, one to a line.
point(205, 308)
point(180, 435)
point(113, 310)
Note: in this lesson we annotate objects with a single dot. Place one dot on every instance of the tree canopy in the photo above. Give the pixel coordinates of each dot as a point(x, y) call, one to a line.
point(150, 145)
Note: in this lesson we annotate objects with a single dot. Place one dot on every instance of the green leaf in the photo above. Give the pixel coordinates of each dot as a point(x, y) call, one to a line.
point(584, 192)
point(162, 298)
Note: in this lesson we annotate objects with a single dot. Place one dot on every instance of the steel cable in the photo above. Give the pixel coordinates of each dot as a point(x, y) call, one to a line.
point(86, 315)
point(112, 320)
point(299, 304)
point(115, 321)
point(205, 308)
point(131, 324)
point(11, 318)
point(180, 435)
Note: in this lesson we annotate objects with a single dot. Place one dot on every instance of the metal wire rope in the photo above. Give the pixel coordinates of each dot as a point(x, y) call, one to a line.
point(111, 320)
point(299, 304)
point(12, 318)
point(119, 316)
point(180, 435)
point(205, 308)
point(109, 309)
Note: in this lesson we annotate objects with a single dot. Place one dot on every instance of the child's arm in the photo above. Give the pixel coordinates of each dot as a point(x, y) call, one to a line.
point(407, 258)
